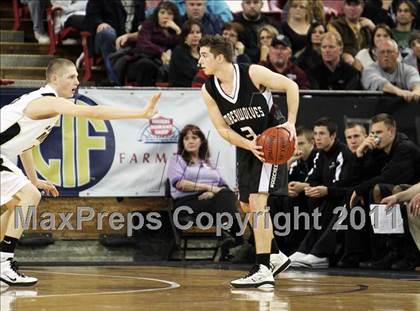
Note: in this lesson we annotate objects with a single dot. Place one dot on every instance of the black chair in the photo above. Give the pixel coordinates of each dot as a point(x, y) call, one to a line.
point(182, 237)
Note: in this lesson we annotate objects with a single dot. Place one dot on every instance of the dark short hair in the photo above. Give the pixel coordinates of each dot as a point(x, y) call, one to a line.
point(187, 26)
point(57, 64)
point(411, 7)
point(383, 27)
point(327, 122)
point(218, 45)
point(386, 118)
point(308, 133)
point(203, 152)
point(163, 5)
point(236, 27)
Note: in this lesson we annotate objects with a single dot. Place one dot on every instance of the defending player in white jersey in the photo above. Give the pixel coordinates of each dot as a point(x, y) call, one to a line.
point(24, 124)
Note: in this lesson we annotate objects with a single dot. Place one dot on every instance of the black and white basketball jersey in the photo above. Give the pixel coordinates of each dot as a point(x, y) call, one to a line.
point(20, 133)
point(247, 110)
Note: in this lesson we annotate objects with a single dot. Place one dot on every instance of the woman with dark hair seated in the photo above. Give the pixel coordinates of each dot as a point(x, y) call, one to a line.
point(184, 59)
point(196, 183)
point(311, 55)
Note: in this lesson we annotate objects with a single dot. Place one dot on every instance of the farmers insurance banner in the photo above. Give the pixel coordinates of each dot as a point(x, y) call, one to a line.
point(126, 157)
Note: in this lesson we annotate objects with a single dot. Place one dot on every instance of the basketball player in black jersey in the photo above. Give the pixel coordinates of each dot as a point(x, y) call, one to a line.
point(240, 106)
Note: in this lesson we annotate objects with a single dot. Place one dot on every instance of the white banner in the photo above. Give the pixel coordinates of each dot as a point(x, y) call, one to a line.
point(127, 157)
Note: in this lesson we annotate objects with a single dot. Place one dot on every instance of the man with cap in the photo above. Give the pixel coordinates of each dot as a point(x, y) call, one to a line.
point(354, 30)
point(279, 61)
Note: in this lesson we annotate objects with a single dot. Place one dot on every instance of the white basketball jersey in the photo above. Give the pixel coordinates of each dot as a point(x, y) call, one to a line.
point(20, 133)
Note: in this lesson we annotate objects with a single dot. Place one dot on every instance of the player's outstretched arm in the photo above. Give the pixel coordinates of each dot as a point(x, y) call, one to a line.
point(48, 107)
point(264, 77)
point(225, 131)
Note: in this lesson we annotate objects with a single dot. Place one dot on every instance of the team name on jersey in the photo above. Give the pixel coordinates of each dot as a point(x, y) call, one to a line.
point(243, 113)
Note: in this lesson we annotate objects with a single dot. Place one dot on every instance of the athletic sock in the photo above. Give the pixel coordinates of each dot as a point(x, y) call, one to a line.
point(264, 259)
point(274, 247)
point(8, 244)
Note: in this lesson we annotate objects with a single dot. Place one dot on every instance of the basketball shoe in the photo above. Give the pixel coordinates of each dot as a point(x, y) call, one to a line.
point(10, 275)
point(279, 263)
point(260, 276)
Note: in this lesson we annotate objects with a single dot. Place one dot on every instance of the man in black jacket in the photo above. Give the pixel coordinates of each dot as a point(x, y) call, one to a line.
point(396, 160)
point(332, 171)
point(333, 73)
point(252, 20)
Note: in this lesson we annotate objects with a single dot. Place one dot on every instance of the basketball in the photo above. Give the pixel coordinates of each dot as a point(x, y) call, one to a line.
point(276, 145)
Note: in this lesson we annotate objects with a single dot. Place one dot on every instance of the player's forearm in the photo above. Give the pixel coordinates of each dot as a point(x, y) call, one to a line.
point(409, 193)
point(234, 138)
point(28, 165)
point(292, 102)
point(105, 113)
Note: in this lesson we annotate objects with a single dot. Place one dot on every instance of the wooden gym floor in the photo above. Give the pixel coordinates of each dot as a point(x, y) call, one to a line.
point(191, 288)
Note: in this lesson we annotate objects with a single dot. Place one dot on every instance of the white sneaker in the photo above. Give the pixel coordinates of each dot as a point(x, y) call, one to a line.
point(11, 276)
point(311, 261)
point(42, 38)
point(296, 259)
point(279, 263)
point(259, 276)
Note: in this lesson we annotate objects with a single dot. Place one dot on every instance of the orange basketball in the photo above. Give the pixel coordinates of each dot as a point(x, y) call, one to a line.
point(276, 145)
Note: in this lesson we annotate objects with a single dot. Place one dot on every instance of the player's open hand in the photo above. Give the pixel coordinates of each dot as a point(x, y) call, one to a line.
point(255, 149)
point(290, 127)
point(150, 110)
point(47, 187)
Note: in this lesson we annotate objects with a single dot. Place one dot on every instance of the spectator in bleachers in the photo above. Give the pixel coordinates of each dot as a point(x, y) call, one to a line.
point(368, 56)
point(157, 37)
point(333, 73)
point(355, 134)
point(413, 59)
point(148, 61)
point(332, 170)
point(195, 182)
point(379, 12)
point(184, 58)
point(392, 159)
point(355, 30)
point(320, 11)
point(107, 20)
point(196, 10)
point(391, 76)
point(231, 31)
point(279, 60)
point(311, 55)
point(265, 36)
point(405, 18)
point(215, 7)
point(298, 22)
point(37, 11)
point(251, 19)
point(70, 14)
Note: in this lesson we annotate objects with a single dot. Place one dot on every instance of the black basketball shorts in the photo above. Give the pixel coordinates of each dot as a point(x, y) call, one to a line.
point(255, 176)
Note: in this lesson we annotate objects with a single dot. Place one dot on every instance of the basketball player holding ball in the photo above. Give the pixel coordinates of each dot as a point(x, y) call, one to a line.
point(239, 103)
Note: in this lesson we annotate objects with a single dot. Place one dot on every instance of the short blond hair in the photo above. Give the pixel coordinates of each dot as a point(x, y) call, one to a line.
point(335, 35)
point(56, 65)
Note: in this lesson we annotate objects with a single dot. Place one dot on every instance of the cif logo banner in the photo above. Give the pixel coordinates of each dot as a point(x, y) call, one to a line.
point(77, 154)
